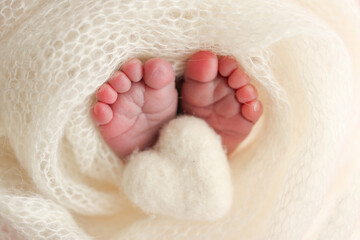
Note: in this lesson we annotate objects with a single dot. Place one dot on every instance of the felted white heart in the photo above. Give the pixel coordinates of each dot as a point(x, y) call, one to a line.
point(185, 175)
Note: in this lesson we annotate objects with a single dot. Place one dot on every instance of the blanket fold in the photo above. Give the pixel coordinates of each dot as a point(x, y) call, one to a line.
point(59, 180)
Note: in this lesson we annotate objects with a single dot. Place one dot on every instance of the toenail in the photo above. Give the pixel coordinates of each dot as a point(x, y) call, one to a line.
point(116, 74)
point(207, 53)
point(256, 106)
point(101, 89)
point(223, 58)
point(95, 110)
point(133, 61)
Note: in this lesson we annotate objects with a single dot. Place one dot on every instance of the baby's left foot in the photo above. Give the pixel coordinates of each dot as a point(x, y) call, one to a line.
point(219, 92)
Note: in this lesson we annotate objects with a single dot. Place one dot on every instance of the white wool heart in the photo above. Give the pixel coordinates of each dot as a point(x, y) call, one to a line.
point(185, 177)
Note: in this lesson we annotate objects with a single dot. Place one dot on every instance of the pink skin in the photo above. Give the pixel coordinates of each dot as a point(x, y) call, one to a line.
point(219, 92)
point(134, 104)
point(138, 100)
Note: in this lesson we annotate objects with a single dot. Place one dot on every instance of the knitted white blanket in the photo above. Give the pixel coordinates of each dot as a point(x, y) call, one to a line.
point(293, 178)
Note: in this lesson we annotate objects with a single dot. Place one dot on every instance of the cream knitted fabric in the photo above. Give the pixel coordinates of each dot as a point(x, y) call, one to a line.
point(58, 180)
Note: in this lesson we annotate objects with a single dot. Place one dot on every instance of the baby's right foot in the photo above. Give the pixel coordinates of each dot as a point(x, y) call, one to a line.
point(220, 93)
point(135, 104)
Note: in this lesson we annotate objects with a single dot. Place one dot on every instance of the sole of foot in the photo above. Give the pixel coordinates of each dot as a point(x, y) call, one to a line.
point(134, 104)
point(218, 91)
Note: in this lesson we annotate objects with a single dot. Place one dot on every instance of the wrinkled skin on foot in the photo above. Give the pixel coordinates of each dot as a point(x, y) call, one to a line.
point(135, 103)
point(218, 91)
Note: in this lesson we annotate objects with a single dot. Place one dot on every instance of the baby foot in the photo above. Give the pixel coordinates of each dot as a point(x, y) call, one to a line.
point(134, 104)
point(219, 92)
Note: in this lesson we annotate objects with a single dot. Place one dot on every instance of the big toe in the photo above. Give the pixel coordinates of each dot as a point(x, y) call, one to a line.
point(202, 67)
point(158, 73)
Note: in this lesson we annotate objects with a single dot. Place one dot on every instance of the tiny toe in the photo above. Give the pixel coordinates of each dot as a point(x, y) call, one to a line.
point(227, 65)
point(106, 94)
point(252, 110)
point(246, 93)
point(238, 79)
point(120, 82)
point(202, 67)
point(158, 73)
point(101, 113)
point(133, 69)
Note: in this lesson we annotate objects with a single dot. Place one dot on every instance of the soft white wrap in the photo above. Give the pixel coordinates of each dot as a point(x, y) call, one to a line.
point(295, 177)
